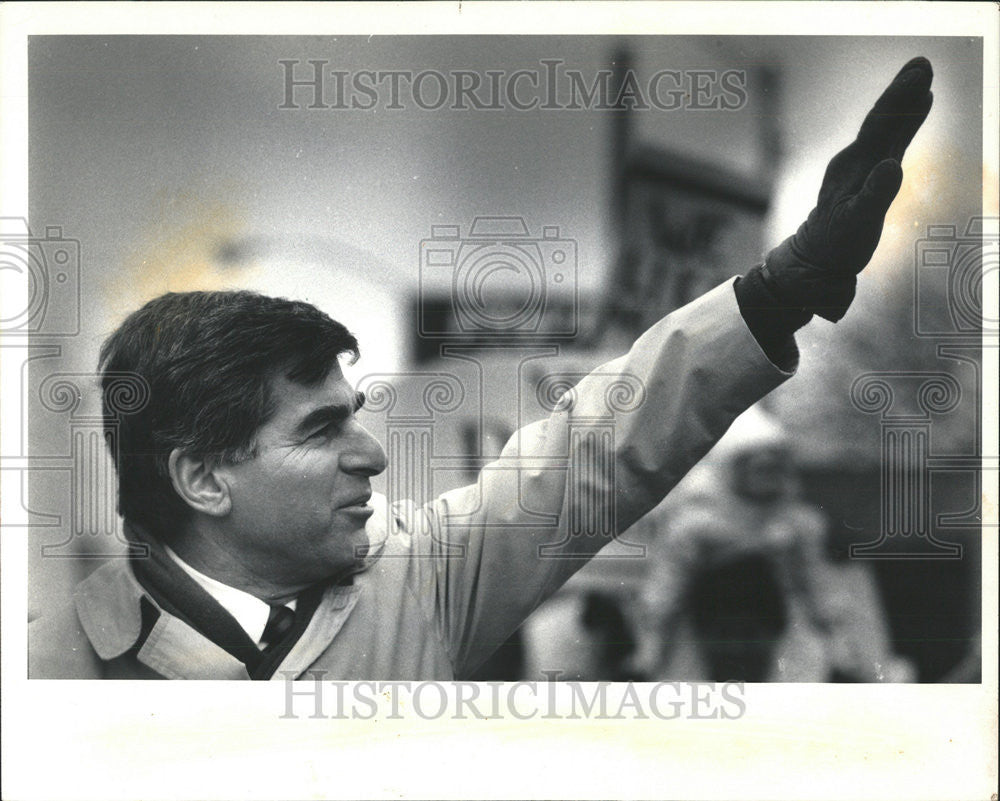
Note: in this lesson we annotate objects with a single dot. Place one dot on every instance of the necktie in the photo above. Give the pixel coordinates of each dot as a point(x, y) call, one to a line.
point(279, 621)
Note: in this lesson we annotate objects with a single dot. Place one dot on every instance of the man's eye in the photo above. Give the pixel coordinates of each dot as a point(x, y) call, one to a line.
point(329, 430)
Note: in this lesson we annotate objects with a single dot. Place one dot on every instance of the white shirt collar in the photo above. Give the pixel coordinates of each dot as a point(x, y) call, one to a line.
point(248, 610)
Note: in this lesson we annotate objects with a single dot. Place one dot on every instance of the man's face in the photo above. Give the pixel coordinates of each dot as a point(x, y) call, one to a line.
point(300, 506)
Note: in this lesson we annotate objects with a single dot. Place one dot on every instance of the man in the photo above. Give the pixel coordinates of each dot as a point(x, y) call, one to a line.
point(739, 585)
point(247, 476)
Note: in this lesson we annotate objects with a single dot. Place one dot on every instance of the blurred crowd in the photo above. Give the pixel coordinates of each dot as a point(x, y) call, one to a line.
point(737, 584)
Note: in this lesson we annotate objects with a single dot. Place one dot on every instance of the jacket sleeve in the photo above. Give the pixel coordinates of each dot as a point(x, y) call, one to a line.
point(562, 488)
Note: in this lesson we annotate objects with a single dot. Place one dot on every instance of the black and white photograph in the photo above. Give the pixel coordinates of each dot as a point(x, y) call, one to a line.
point(606, 386)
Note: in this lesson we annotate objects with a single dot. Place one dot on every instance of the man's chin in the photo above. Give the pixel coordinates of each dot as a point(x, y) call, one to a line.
point(361, 548)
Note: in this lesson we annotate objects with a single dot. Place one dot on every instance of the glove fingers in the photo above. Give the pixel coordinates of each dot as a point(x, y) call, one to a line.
point(880, 189)
point(893, 114)
point(910, 127)
point(856, 231)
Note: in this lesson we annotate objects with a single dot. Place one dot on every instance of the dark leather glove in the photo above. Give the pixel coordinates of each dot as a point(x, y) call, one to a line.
point(814, 271)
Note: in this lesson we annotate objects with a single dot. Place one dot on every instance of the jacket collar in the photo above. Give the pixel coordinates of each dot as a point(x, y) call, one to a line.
point(109, 605)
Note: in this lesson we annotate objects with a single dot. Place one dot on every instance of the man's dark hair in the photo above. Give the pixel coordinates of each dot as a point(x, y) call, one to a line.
point(209, 360)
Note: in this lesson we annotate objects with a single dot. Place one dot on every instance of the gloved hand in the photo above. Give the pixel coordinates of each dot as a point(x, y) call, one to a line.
point(813, 271)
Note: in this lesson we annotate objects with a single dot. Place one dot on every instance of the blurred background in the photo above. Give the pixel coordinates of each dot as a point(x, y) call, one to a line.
point(509, 250)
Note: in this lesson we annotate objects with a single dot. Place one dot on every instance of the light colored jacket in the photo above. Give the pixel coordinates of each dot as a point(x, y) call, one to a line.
point(448, 582)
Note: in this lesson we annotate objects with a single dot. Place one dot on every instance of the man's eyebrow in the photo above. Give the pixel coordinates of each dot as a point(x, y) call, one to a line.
point(330, 413)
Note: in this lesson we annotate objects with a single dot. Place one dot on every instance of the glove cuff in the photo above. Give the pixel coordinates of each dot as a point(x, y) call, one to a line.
point(772, 323)
point(802, 288)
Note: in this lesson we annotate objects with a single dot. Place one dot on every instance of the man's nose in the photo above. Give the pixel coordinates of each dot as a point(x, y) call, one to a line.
point(365, 456)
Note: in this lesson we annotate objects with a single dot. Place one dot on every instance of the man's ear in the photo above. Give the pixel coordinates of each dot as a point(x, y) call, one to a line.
point(196, 480)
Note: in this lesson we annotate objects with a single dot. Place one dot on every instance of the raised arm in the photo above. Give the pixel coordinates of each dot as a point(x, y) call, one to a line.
point(564, 487)
point(498, 548)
